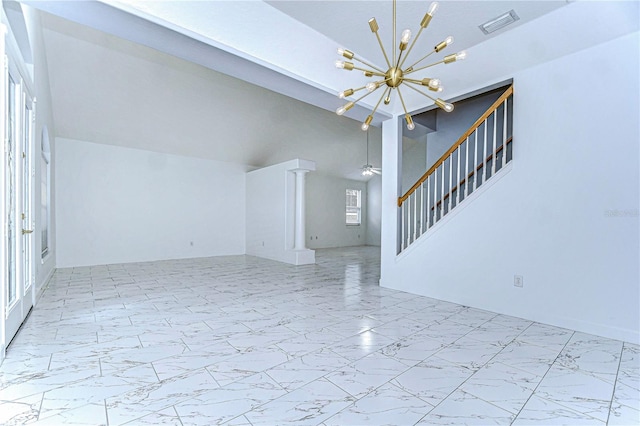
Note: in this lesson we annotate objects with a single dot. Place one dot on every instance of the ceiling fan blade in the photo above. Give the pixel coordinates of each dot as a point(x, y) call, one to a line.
point(377, 171)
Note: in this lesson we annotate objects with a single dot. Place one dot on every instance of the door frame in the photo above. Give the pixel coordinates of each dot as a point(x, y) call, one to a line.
point(24, 174)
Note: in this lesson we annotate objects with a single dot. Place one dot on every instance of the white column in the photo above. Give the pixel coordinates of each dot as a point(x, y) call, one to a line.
point(300, 233)
point(390, 227)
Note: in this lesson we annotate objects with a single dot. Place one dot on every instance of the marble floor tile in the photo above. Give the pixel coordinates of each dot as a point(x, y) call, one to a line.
point(309, 405)
point(578, 391)
point(433, 379)
point(385, 406)
point(469, 352)
point(528, 357)
point(168, 417)
point(244, 341)
point(87, 415)
point(229, 402)
point(366, 374)
point(300, 371)
point(542, 412)
point(461, 408)
point(20, 411)
point(506, 387)
point(154, 397)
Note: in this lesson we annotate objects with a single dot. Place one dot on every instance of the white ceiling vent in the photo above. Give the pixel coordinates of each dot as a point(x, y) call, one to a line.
point(500, 22)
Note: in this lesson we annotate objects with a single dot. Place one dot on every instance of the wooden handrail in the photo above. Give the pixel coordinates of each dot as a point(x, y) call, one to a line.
point(455, 146)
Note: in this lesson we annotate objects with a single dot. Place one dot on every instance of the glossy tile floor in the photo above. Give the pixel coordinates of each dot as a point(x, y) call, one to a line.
point(246, 341)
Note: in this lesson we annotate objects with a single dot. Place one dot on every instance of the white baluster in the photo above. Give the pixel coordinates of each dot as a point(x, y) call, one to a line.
point(442, 191)
point(415, 215)
point(426, 225)
point(435, 195)
point(504, 135)
point(484, 156)
point(422, 208)
point(450, 180)
point(475, 161)
point(495, 137)
point(459, 174)
point(402, 225)
point(466, 171)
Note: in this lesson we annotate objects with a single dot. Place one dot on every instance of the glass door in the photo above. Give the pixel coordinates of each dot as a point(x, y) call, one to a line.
point(13, 308)
point(18, 179)
point(26, 215)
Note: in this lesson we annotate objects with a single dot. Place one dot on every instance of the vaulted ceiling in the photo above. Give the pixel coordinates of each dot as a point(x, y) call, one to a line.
point(253, 82)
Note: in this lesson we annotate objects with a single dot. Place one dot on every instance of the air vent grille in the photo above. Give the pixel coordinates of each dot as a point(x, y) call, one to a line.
point(500, 22)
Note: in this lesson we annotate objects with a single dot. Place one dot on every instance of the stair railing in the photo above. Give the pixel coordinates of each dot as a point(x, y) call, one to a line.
point(476, 156)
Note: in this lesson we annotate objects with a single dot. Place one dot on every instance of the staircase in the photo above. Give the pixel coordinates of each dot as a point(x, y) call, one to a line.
point(481, 152)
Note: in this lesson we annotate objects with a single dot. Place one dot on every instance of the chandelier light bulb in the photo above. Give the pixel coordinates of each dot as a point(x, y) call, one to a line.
point(340, 64)
point(433, 8)
point(346, 107)
point(406, 36)
point(444, 105)
point(345, 93)
point(444, 43)
point(346, 53)
point(411, 126)
point(461, 55)
point(371, 86)
point(434, 83)
point(367, 122)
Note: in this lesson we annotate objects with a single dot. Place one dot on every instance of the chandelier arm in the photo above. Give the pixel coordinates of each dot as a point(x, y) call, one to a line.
point(384, 52)
point(379, 74)
point(393, 45)
point(425, 67)
point(421, 59)
point(399, 58)
point(384, 93)
point(362, 97)
point(368, 64)
point(404, 107)
point(419, 91)
point(411, 47)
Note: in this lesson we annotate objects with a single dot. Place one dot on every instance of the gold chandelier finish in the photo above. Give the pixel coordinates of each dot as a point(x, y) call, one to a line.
point(395, 75)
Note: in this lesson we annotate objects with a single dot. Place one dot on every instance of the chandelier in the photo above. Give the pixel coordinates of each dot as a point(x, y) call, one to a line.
point(396, 74)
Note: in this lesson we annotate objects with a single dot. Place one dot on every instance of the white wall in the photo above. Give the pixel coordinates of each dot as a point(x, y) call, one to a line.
point(414, 162)
point(374, 210)
point(576, 159)
point(117, 205)
point(326, 208)
point(271, 211)
point(44, 268)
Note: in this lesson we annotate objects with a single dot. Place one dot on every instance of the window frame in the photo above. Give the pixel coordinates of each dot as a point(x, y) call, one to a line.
point(350, 210)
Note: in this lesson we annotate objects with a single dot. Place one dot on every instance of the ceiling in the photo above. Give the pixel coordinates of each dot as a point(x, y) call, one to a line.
point(156, 74)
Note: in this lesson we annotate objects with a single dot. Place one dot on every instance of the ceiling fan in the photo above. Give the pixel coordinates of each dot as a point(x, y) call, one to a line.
point(368, 169)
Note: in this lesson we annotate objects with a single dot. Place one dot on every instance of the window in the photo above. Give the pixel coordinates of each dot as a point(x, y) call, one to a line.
point(353, 207)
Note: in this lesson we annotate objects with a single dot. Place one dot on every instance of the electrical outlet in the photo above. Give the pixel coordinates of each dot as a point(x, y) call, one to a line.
point(518, 281)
